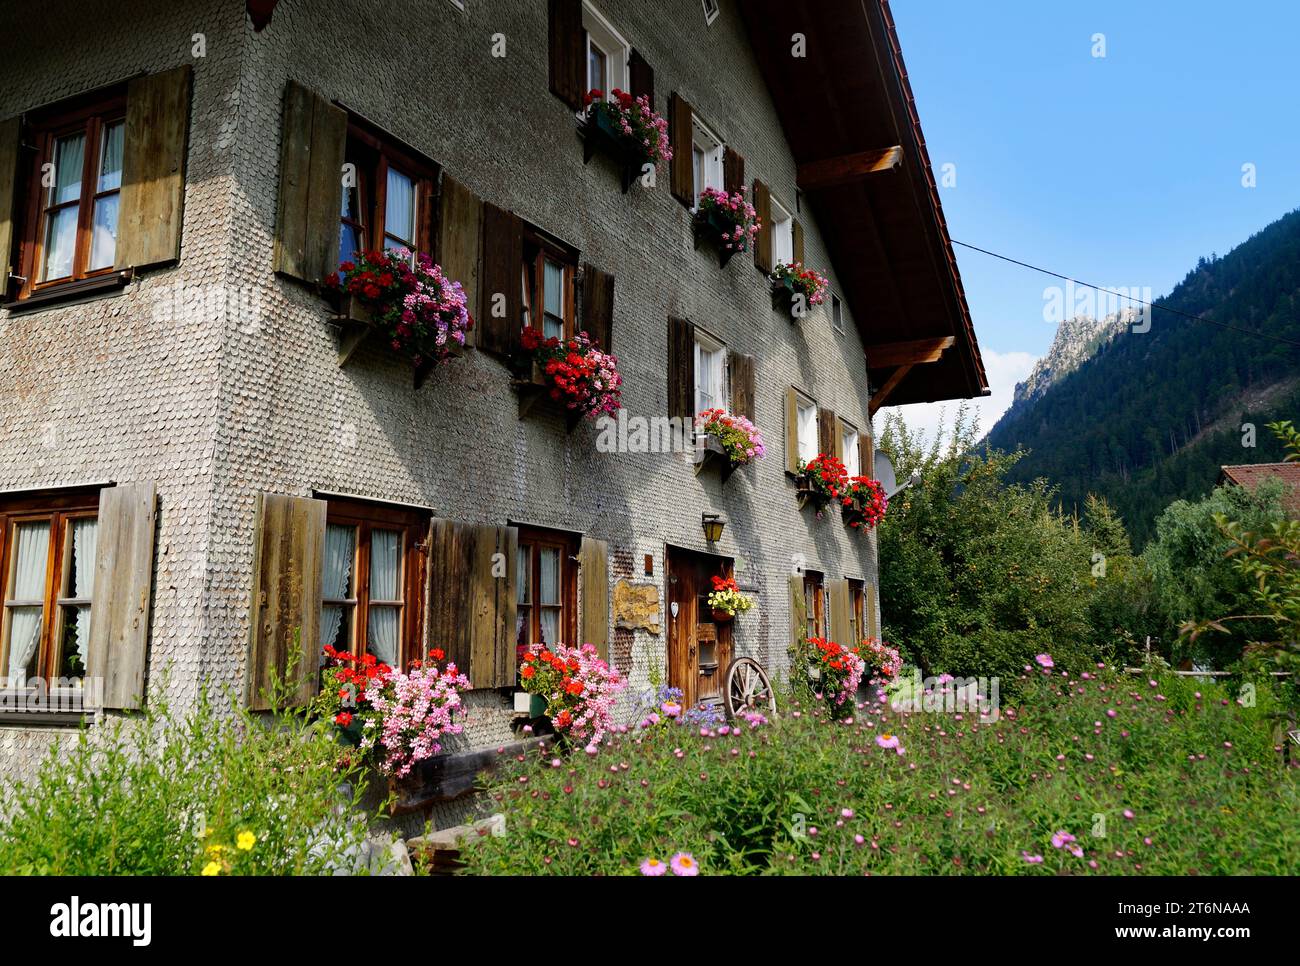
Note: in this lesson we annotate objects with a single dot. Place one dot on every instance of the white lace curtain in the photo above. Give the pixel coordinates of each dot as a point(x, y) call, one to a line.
point(336, 577)
point(32, 546)
point(84, 540)
point(385, 564)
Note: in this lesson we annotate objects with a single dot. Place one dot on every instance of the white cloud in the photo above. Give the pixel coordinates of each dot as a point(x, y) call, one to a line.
point(1004, 370)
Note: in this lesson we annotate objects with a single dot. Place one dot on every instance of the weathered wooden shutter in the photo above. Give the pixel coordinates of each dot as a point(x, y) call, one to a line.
point(598, 305)
point(568, 59)
point(153, 169)
point(501, 279)
point(742, 385)
point(873, 625)
point(681, 131)
point(839, 441)
point(471, 602)
point(791, 431)
point(10, 143)
point(284, 632)
point(681, 368)
point(841, 616)
point(460, 238)
point(313, 142)
point(119, 613)
point(796, 231)
point(826, 431)
point(733, 170)
point(798, 610)
point(593, 569)
point(763, 242)
point(641, 77)
point(867, 455)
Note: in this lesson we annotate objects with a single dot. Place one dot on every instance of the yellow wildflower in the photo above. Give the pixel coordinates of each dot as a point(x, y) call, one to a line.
point(245, 840)
point(212, 868)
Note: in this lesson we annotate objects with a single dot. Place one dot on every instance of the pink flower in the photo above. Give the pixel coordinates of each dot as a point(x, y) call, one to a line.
point(1031, 859)
point(1045, 660)
point(683, 863)
point(653, 867)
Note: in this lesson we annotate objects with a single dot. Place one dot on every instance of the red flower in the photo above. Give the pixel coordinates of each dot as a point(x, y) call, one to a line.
point(528, 671)
point(343, 719)
point(437, 654)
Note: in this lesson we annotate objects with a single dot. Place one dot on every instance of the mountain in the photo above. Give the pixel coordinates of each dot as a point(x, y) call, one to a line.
point(1143, 418)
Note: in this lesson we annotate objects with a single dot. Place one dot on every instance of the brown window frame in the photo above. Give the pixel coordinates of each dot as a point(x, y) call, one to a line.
point(414, 526)
point(60, 510)
point(372, 153)
point(535, 539)
point(538, 249)
point(814, 591)
point(43, 129)
point(857, 610)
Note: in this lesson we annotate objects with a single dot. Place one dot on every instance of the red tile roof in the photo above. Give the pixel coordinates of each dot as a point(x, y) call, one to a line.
point(1250, 474)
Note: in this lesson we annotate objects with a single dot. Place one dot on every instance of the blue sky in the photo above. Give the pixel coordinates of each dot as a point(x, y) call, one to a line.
point(1120, 170)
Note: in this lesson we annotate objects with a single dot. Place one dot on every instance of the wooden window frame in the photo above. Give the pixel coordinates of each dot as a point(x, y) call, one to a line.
point(373, 154)
point(59, 510)
point(781, 227)
point(804, 401)
point(814, 591)
point(414, 526)
point(536, 538)
point(88, 115)
point(538, 249)
point(713, 161)
point(707, 342)
point(857, 610)
point(846, 428)
point(837, 313)
point(605, 35)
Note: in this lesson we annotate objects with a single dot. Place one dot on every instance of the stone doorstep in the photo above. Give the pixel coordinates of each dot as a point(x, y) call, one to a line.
point(449, 839)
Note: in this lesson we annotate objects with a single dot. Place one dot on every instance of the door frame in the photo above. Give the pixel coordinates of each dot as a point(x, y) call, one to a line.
point(690, 679)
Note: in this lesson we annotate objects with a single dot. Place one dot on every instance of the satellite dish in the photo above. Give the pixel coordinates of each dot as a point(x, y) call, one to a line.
point(885, 472)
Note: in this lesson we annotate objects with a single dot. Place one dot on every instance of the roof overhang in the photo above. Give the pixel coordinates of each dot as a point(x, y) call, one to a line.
point(850, 119)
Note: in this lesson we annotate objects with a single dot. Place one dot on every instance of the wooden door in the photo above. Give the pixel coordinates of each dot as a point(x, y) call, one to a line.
point(699, 648)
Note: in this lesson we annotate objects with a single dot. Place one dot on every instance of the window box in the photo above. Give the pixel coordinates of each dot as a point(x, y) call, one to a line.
point(355, 322)
point(533, 389)
point(796, 289)
point(712, 456)
point(820, 481)
point(711, 227)
point(729, 222)
point(808, 494)
point(604, 131)
point(602, 134)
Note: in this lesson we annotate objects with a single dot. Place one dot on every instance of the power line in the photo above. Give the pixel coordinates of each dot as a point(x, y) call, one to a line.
point(1131, 298)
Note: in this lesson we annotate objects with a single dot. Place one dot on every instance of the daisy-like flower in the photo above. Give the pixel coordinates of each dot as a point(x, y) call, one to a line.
point(683, 863)
point(887, 740)
point(653, 867)
point(1045, 660)
point(245, 840)
point(1031, 859)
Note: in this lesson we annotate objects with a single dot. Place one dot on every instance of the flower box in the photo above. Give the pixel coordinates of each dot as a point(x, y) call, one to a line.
point(601, 135)
point(533, 391)
point(711, 455)
point(796, 290)
point(573, 373)
point(807, 494)
point(356, 322)
point(709, 228)
point(628, 130)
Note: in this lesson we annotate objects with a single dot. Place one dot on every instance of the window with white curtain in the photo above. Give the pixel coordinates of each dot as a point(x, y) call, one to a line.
point(852, 461)
point(607, 53)
point(48, 576)
point(782, 234)
point(384, 190)
point(807, 429)
point(706, 154)
point(370, 599)
point(710, 373)
point(546, 588)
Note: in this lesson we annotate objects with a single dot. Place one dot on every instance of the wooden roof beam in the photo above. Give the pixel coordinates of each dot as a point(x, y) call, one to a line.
point(916, 352)
point(880, 395)
point(847, 168)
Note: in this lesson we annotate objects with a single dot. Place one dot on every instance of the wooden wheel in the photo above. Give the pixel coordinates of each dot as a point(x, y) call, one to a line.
point(748, 688)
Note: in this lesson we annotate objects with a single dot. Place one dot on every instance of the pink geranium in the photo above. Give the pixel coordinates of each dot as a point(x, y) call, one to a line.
point(413, 710)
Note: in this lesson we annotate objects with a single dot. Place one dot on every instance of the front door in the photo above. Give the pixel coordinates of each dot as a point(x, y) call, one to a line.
point(699, 648)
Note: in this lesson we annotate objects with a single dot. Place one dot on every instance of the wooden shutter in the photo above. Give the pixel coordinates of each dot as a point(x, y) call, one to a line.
point(873, 625)
point(791, 431)
point(867, 455)
point(841, 616)
point(119, 614)
point(313, 141)
point(598, 305)
point(568, 57)
point(681, 368)
point(593, 568)
point(839, 441)
point(763, 243)
point(460, 238)
point(471, 602)
point(742, 386)
point(826, 431)
point(10, 143)
point(733, 170)
point(798, 610)
point(681, 131)
point(501, 311)
point(796, 230)
point(641, 77)
point(284, 633)
point(153, 169)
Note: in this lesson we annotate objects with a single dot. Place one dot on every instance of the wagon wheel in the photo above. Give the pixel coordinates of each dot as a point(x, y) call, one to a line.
point(748, 688)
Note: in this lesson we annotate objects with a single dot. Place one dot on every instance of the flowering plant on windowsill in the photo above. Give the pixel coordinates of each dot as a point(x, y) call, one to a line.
point(731, 216)
point(421, 311)
point(835, 673)
point(864, 502)
point(576, 372)
point(797, 280)
point(579, 688)
point(883, 661)
point(726, 596)
point(633, 122)
point(740, 438)
point(822, 479)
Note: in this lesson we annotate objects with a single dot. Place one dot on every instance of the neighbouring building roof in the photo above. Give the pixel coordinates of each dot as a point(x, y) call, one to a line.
point(851, 122)
point(1251, 474)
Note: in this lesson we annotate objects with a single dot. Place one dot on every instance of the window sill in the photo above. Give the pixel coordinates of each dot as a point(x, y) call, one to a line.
point(83, 290)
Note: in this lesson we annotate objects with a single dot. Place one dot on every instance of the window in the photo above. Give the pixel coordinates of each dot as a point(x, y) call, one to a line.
point(814, 597)
point(607, 54)
point(385, 192)
point(76, 180)
point(782, 234)
point(47, 573)
point(857, 626)
point(706, 151)
point(548, 273)
point(372, 580)
point(807, 428)
point(851, 457)
point(710, 367)
point(837, 314)
point(710, 11)
point(547, 589)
